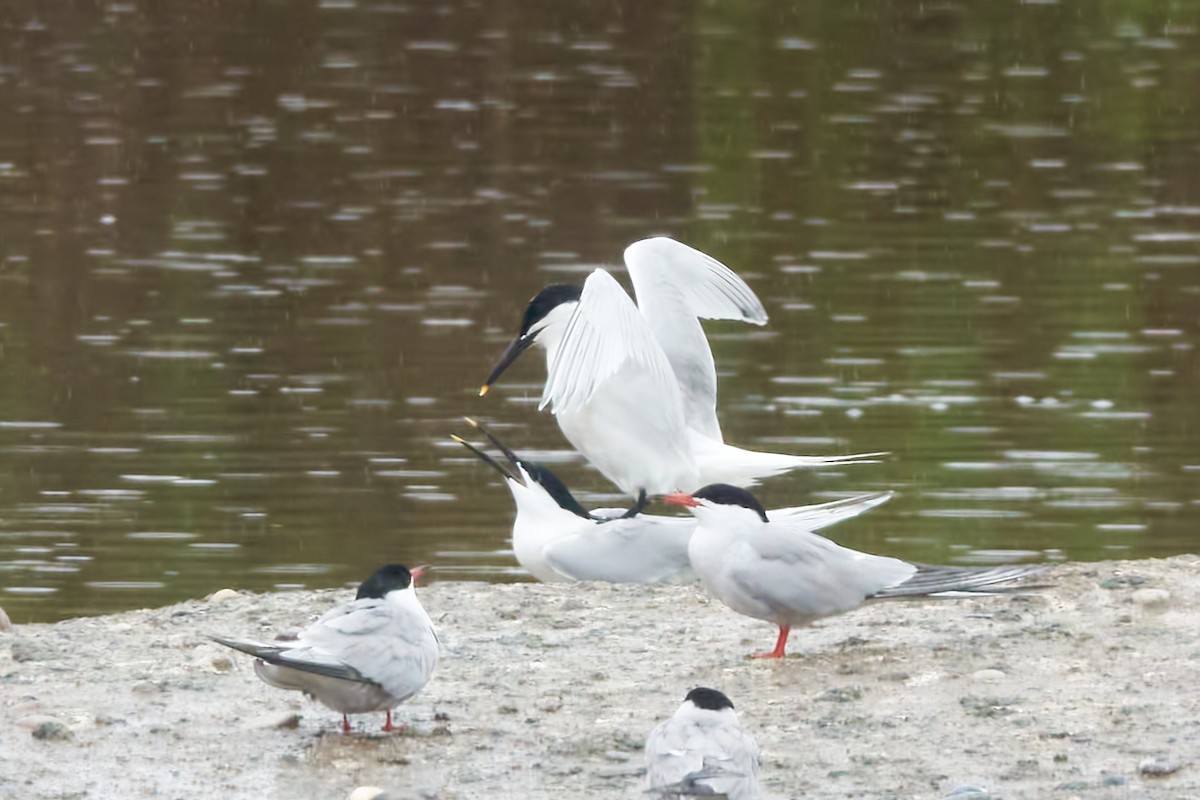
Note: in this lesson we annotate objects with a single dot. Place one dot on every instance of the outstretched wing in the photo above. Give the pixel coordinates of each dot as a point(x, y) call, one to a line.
point(676, 286)
point(604, 336)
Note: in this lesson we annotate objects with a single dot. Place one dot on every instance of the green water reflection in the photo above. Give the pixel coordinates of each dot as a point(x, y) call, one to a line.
point(256, 259)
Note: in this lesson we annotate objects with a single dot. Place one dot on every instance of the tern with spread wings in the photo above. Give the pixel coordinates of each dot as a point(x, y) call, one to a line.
point(634, 387)
point(767, 568)
point(371, 654)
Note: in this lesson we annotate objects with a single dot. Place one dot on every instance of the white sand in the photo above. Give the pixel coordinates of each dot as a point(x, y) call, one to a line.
point(548, 692)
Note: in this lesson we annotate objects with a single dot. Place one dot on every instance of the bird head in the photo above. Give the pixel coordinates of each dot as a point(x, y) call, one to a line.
point(549, 307)
point(719, 500)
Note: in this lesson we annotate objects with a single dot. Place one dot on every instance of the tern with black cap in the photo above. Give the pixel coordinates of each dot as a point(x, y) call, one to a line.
point(555, 538)
point(634, 387)
point(702, 751)
point(370, 654)
point(767, 568)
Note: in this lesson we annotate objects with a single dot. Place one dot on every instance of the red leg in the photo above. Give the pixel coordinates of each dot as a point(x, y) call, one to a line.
point(780, 644)
point(345, 724)
point(389, 727)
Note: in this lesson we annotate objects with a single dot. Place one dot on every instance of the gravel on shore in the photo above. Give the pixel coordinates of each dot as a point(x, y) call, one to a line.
point(1084, 689)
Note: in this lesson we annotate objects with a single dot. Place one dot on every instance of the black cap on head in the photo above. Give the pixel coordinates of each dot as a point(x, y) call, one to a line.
point(386, 579)
point(555, 488)
point(726, 495)
point(545, 301)
point(708, 699)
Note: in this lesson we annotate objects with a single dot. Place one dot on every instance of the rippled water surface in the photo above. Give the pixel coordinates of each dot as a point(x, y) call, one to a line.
point(256, 259)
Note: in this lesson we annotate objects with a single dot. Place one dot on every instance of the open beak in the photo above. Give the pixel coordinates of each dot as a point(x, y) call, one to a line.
point(485, 458)
point(418, 572)
point(681, 499)
point(519, 345)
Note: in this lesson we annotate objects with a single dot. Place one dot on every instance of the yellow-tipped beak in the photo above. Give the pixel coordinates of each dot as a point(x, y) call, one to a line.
point(484, 389)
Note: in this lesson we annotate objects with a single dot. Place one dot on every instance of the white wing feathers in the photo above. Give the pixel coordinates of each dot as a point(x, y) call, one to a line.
point(640, 549)
point(662, 267)
point(677, 286)
point(605, 333)
point(817, 517)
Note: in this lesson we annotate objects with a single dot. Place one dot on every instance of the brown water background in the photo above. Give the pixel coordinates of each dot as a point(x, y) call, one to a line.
point(256, 259)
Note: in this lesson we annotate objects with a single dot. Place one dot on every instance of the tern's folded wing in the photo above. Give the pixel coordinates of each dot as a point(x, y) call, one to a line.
point(642, 549)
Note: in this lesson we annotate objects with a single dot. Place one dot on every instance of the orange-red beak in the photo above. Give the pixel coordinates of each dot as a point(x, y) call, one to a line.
point(418, 572)
point(681, 499)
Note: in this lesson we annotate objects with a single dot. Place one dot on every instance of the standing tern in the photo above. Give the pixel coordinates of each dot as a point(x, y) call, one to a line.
point(555, 538)
point(634, 387)
point(702, 751)
point(771, 569)
point(371, 654)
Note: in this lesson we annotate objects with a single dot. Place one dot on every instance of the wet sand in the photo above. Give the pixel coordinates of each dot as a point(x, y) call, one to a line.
point(1084, 689)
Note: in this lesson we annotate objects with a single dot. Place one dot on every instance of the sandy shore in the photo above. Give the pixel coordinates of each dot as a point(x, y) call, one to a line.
point(1085, 689)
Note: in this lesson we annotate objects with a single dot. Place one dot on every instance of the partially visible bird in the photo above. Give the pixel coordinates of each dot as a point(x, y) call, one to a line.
point(634, 387)
point(370, 654)
point(702, 751)
point(768, 568)
point(555, 538)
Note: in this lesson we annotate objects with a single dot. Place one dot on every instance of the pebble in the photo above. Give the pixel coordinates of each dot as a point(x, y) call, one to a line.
point(146, 687)
point(988, 676)
point(221, 596)
point(33, 721)
point(1158, 767)
point(53, 731)
point(1152, 599)
point(365, 793)
point(287, 720)
point(5, 622)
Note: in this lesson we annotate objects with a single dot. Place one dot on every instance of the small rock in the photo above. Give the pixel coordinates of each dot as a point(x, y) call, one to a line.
point(221, 663)
point(988, 676)
point(221, 596)
point(365, 793)
point(1152, 599)
point(5, 622)
point(274, 721)
point(35, 721)
point(146, 687)
point(24, 650)
point(53, 731)
point(1158, 767)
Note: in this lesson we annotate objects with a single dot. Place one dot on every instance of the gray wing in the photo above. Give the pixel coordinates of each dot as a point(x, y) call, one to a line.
point(800, 574)
point(395, 647)
point(686, 759)
point(641, 549)
point(676, 286)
